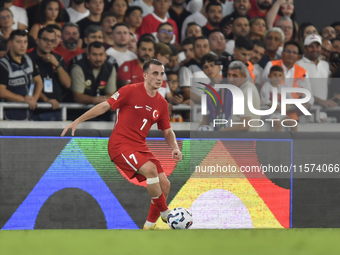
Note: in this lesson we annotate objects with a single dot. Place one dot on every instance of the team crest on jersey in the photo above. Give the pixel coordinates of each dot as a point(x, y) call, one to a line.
point(155, 114)
point(115, 95)
point(126, 68)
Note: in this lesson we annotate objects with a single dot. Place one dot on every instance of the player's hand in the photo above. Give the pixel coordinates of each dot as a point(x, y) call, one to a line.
point(72, 126)
point(177, 154)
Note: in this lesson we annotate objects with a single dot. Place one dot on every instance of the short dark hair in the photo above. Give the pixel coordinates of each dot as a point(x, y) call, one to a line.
point(173, 49)
point(335, 39)
point(54, 26)
point(336, 23)
point(45, 29)
point(295, 44)
point(96, 45)
point(69, 24)
point(151, 61)
point(17, 32)
point(120, 24)
point(93, 29)
point(191, 24)
point(212, 3)
point(240, 17)
point(105, 15)
point(208, 58)
point(147, 35)
point(244, 42)
point(188, 40)
point(163, 24)
point(170, 72)
point(146, 39)
point(199, 38)
point(131, 9)
point(112, 2)
point(276, 69)
point(259, 43)
point(214, 31)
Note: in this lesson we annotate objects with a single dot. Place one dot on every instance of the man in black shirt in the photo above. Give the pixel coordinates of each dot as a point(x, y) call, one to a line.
point(20, 80)
point(178, 13)
point(96, 8)
point(52, 71)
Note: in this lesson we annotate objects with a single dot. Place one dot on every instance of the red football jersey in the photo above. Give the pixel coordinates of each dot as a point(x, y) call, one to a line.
point(151, 23)
point(136, 113)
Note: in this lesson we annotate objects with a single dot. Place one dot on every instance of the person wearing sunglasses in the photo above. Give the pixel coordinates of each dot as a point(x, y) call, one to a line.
point(165, 33)
point(52, 71)
point(20, 79)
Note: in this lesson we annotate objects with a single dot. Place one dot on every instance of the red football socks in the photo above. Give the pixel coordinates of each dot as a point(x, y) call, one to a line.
point(153, 213)
point(160, 203)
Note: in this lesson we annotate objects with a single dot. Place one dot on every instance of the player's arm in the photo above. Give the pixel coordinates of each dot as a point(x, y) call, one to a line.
point(170, 138)
point(90, 114)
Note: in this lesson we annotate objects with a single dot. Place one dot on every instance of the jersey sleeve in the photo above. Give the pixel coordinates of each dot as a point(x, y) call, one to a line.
point(119, 98)
point(163, 122)
point(124, 73)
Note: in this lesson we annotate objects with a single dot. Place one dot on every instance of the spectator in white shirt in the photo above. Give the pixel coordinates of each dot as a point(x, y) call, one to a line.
point(77, 10)
point(121, 37)
point(318, 70)
point(19, 15)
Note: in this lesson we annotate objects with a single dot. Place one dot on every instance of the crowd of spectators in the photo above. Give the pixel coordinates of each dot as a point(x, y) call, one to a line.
point(82, 51)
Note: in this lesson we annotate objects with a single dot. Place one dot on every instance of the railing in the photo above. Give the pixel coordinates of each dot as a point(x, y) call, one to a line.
point(72, 106)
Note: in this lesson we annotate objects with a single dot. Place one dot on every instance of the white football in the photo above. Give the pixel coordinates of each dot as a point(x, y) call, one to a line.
point(180, 218)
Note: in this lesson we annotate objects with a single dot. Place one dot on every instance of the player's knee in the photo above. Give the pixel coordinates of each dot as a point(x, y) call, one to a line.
point(151, 171)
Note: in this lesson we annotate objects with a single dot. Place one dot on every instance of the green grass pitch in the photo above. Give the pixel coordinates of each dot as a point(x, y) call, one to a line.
point(97, 242)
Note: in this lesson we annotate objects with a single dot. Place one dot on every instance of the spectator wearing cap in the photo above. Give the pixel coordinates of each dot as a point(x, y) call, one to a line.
point(96, 8)
point(152, 21)
point(178, 13)
point(217, 42)
point(214, 17)
point(19, 15)
point(318, 70)
point(77, 10)
point(192, 69)
point(121, 37)
point(255, 58)
point(165, 33)
point(272, 41)
point(133, 17)
point(132, 71)
point(70, 36)
point(295, 75)
point(145, 5)
point(108, 20)
point(240, 28)
point(328, 33)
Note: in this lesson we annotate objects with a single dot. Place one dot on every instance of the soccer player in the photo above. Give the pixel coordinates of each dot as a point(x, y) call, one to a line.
point(138, 107)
